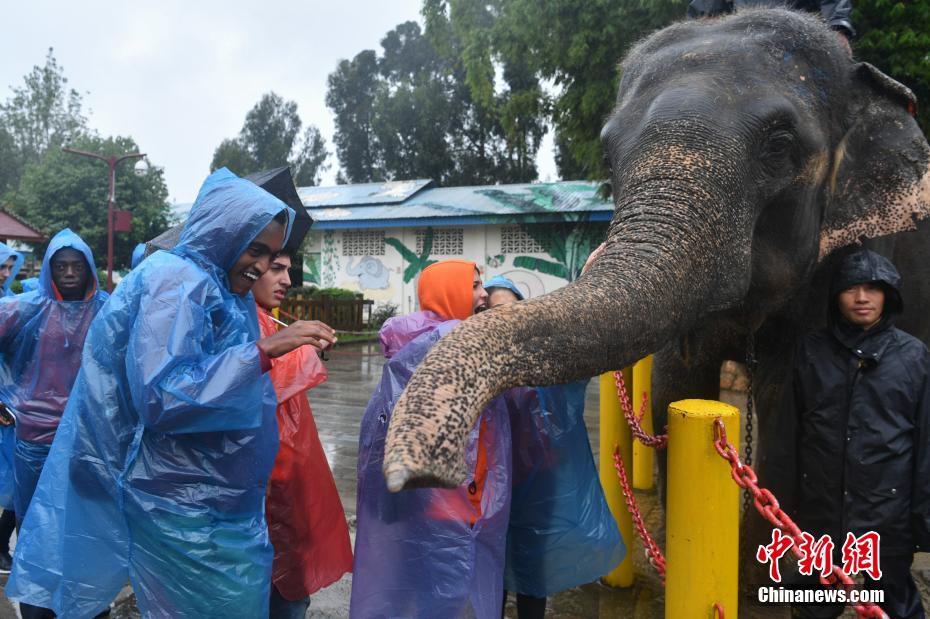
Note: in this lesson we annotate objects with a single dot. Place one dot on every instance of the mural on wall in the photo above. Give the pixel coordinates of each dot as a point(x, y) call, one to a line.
point(331, 262)
point(569, 242)
point(312, 269)
point(371, 273)
point(494, 262)
point(415, 263)
point(529, 284)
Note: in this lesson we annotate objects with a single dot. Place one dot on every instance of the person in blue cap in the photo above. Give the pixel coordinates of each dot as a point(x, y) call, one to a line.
point(42, 336)
point(159, 469)
point(10, 263)
point(561, 533)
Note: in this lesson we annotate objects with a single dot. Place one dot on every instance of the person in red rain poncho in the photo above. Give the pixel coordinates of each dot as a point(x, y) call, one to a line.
point(306, 522)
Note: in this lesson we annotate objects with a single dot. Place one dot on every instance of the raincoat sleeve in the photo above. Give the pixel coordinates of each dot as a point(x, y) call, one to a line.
point(920, 497)
point(296, 372)
point(177, 384)
point(11, 319)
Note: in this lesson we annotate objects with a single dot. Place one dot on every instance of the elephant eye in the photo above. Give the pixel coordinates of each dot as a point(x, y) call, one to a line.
point(777, 149)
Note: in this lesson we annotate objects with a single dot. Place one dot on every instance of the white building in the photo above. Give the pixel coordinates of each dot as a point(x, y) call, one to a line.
point(377, 237)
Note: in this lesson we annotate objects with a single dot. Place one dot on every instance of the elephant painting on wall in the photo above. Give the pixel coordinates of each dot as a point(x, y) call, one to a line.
point(747, 155)
point(371, 273)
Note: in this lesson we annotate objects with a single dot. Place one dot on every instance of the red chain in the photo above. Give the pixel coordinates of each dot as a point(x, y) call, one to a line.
point(653, 552)
point(767, 505)
point(659, 441)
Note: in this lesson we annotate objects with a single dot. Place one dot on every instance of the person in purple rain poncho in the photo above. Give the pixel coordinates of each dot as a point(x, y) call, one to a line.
point(431, 552)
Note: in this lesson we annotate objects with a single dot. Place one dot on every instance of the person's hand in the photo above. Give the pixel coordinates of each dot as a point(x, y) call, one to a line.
point(6, 417)
point(594, 254)
point(301, 333)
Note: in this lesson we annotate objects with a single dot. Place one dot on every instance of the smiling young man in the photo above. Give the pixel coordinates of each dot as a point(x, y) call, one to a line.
point(306, 521)
point(861, 410)
point(159, 468)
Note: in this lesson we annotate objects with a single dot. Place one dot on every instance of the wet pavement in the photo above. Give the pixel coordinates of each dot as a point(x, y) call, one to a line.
point(338, 405)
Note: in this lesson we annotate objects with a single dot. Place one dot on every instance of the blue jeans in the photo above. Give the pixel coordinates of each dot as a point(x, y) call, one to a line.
point(28, 461)
point(279, 608)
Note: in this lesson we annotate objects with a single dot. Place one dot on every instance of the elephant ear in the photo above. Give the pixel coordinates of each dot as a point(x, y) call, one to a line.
point(880, 181)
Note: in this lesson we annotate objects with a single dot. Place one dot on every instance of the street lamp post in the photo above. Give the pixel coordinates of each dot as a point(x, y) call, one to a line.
point(112, 162)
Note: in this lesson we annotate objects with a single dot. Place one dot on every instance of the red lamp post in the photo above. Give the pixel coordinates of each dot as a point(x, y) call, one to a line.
point(111, 161)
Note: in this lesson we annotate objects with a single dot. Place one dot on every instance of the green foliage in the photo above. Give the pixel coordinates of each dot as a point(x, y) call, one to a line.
point(569, 244)
point(336, 293)
point(412, 113)
point(41, 114)
point(381, 314)
point(543, 266)
point(66, 190)
point(16, 286)
point(574, 45)
point(270, 138)
point(895, 37)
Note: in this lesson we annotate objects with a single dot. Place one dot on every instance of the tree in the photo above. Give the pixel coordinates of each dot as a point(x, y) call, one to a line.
point(410, 114)
point(270, 138)
point(66, 190)
point(42, 114)
point(895, 36)
point(575, 45)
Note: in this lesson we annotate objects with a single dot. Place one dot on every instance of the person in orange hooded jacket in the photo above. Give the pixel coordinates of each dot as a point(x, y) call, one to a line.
point(306, 521)
point(432, 552)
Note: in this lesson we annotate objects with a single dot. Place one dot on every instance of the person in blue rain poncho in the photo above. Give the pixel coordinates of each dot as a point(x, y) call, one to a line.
point(561, 532)
point(431, 552)
point(42, 335)
point(10, 264)
point(159, 469)
point(138, 255)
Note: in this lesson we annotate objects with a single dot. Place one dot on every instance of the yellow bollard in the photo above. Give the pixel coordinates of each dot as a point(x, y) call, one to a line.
point(702, 518)
point(643, 456)
point(615, 431)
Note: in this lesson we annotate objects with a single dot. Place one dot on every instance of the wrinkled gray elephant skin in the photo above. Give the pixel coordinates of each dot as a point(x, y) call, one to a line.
point(746, 155)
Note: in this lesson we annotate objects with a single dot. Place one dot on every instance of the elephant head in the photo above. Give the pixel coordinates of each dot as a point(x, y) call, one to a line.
point(742, 152)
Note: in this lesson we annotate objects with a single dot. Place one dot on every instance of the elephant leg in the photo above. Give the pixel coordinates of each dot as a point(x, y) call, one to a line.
point(676, 375)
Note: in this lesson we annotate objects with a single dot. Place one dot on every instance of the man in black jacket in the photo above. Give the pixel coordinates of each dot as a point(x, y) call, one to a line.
point(837, 13)
point(861, 396)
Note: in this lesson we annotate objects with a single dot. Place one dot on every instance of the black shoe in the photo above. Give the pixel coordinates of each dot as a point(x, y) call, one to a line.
point(6, 562)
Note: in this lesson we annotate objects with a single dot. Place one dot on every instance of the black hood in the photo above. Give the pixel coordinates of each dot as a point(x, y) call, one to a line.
point(863, 267)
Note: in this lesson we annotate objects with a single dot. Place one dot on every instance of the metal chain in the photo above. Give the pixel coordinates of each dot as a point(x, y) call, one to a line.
point(658, 441)
point(750, 408)
point(653, 552)
point(767, 505)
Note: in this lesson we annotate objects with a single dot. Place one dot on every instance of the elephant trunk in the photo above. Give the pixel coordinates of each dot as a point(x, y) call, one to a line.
point(668, 252)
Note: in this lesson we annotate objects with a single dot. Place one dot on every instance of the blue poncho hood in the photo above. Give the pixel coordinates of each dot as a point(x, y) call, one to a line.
point(65, 239)
point(217, 235)
point(5, 254)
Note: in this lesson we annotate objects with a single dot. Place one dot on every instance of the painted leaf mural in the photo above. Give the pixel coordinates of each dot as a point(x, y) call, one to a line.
point(568, 242)
point(415, 263)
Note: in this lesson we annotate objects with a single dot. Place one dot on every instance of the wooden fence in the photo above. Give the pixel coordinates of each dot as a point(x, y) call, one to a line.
point(339, 313)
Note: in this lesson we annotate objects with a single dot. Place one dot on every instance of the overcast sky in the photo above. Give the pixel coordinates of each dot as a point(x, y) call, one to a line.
point(179, 76)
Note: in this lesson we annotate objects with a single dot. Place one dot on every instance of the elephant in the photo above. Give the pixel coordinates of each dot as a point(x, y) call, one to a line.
point(371, 273)
point(747, 155)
